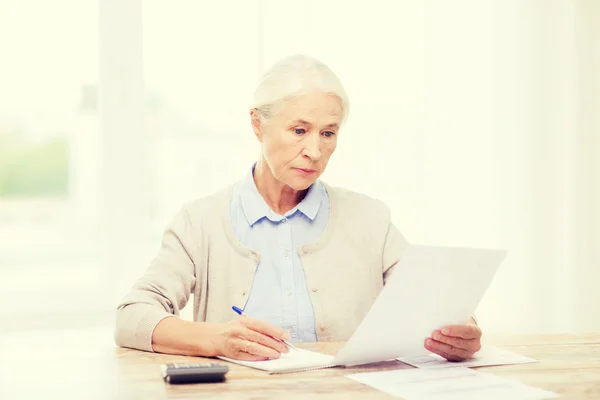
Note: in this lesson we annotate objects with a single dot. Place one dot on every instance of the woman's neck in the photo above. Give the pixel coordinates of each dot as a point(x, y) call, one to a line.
point(279, 197)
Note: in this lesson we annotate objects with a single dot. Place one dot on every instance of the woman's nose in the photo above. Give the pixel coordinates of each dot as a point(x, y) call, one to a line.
point(312, 148)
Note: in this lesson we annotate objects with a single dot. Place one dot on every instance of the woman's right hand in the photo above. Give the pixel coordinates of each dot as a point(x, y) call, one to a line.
point(248, 339)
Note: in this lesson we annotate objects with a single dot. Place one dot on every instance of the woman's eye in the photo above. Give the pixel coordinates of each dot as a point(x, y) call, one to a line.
point(328, 134)
point(299, 131)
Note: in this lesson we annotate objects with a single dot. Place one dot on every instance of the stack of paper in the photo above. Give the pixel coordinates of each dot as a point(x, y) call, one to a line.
point(449, 384)
point(487, 356)
point(424, 274)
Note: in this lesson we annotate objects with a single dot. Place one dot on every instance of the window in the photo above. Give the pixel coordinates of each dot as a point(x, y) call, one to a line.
point(48, 170)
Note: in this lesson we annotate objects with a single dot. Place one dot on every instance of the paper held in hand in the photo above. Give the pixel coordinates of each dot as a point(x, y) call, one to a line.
point(430, 287)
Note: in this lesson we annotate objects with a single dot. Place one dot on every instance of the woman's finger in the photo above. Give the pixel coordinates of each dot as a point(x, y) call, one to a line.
point(265, 328)
point(240, 355)
point(257, 349)
point(471, 345)
point(462, 331)
point(265, 340)
point(460, 354)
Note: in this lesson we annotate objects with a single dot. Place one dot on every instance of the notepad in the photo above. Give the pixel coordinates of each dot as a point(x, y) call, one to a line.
point(295, 360)
point(447, 284)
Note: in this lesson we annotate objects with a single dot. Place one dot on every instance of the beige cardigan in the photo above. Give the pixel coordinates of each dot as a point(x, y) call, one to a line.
point(200, 254)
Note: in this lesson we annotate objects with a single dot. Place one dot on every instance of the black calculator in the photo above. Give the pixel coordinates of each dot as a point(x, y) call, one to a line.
point(194, 373)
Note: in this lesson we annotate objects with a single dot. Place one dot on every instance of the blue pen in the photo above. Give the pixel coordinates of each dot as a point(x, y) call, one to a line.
point(241, 312)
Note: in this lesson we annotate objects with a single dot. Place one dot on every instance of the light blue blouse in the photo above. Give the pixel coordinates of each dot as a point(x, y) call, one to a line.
point(279, 294)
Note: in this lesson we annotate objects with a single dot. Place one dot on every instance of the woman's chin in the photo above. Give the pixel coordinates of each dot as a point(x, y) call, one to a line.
point(301, 183)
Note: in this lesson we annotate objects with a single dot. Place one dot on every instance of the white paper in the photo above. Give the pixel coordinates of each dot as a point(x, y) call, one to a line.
point(449, 384)
point(295, 359)
point(429, 288)
point(487, 356)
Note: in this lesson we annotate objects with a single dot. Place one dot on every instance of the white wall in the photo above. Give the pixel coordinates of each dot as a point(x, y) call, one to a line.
point(476, 121)
point(472, 120)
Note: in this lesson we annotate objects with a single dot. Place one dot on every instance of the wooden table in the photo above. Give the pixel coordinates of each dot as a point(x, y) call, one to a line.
point(85, 364)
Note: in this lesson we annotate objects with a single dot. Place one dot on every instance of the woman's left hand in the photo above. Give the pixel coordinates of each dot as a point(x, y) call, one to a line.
point(455, 342)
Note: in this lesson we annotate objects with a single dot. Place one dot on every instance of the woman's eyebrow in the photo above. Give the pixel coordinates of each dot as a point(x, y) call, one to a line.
point(304, 122)
point(301, 121)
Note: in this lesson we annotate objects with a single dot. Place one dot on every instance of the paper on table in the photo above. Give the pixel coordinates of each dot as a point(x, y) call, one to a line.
point(429, 288)
point(449, 384)
point(487, 356)
point(294, 360)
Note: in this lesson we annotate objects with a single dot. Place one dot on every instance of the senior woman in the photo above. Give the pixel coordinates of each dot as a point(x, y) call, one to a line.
point(305, 259)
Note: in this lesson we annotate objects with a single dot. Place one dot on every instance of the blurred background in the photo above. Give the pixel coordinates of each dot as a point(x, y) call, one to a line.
point(476, 121)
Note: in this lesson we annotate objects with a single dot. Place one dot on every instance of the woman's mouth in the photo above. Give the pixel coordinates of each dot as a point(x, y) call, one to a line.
point(306, 172)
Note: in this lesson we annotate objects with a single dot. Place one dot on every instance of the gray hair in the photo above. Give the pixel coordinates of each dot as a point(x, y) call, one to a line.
point(292, 76)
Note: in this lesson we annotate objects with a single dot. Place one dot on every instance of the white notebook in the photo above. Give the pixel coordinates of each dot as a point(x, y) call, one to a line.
point(431, 287)
point(294, 361)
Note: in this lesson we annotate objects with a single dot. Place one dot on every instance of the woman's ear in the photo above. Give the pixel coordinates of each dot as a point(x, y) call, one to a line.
point(256, 124)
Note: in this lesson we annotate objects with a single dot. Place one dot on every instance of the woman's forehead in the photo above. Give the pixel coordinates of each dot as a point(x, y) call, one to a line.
point(308, 107)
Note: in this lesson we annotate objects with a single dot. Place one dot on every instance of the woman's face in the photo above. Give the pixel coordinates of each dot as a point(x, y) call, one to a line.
point(298, 141)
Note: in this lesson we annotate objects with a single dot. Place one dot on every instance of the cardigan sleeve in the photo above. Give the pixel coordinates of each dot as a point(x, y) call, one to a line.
point(394, 246)
point(162, 291)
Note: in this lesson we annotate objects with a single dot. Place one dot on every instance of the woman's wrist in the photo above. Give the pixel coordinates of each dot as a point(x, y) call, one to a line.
point(175, 336)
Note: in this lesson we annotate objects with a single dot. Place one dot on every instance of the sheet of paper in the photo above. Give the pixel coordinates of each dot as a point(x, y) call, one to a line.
point(449, 384)
point(487, 356)
point(288, 362)
point(429, 288)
